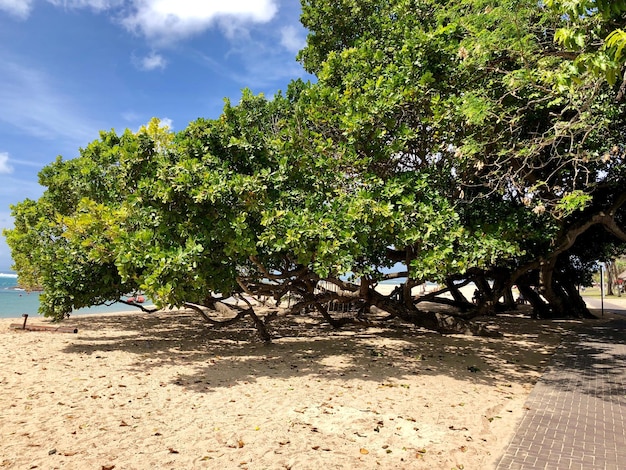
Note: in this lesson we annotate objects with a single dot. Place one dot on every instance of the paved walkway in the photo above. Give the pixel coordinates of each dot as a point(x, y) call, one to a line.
point(576, 416)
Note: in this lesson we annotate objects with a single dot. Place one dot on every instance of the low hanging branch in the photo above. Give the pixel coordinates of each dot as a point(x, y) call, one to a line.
point(217, 323)
point(260, 325)
point(606, 218)
point(363, 297)
point(440, 322)
point(139, 306)
point(334, 322)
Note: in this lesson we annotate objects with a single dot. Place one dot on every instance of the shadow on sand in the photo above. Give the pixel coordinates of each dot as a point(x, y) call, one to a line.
point(390, 353)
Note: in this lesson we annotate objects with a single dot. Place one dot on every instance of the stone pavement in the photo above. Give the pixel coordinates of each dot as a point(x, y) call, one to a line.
point(576, 414)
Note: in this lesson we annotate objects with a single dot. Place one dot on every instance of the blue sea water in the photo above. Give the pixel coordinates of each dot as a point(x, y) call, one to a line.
point(14, 302)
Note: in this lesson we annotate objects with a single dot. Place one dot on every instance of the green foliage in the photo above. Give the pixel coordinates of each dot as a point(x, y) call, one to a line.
point(454, 136)
point(615, 43)
point(590, 30)
point(573, 201)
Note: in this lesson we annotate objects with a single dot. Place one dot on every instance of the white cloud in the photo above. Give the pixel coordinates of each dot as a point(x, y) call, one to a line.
point(19, 8)
point(130, 116)
point(165, 21)
point(168, 20)
point(293, 39)
point(5, 167)
point(167, 122)
point(153, 61)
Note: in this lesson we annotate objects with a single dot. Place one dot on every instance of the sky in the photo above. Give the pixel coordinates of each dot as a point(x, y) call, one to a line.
point(70, 68)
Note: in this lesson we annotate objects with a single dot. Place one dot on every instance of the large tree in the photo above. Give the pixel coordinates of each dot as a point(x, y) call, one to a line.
point(454, 139)
point(481, 90)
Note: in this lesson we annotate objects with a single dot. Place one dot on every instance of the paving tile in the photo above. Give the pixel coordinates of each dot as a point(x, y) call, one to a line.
point(576, 411)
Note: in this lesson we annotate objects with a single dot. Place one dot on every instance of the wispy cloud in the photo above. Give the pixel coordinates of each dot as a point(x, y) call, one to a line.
point(256, 69)
point(131, 116)
point(5, 166)
point(293, 39)
point(27, 163)
point(96, 5)
point(31, 104)
point(18, 8)
point(152, 62)
point(14, 189)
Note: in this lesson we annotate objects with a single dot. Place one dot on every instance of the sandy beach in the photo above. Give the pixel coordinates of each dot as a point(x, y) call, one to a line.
point(166, 390)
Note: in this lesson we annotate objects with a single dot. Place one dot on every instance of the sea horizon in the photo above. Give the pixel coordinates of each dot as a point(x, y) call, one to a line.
point(15, 302)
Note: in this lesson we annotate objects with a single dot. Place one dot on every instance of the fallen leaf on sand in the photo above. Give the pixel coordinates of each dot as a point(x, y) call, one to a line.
point(364, 451)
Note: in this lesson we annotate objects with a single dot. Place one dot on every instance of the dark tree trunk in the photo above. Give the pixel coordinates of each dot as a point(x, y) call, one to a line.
point(502, 288)
point(549, 289)
point(459, 299)
point(509, 301)
point(576, 302)
point(483, 286)
point(540, 308)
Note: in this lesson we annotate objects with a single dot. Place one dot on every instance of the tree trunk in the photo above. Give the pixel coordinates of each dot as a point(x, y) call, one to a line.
point(549, 289)
point(509, 301)
point(540, 308)
point(611, 278)
point(483, 286)
point(575, 301)
point(260, 326)
point(459, 299)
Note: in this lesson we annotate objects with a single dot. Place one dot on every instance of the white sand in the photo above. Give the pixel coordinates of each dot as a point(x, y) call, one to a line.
point(139, 391)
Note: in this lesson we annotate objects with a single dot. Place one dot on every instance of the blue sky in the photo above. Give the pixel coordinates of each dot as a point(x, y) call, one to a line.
point(69, 68)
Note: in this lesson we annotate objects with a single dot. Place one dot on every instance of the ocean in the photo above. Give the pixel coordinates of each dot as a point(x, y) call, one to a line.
point(15, 302)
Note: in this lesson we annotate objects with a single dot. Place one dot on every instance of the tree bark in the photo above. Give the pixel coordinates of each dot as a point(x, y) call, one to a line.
point(539, 308)
point(576, 304)
point(434, 321)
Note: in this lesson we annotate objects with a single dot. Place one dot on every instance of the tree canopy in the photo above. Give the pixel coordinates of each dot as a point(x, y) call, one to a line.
point(448, 141)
